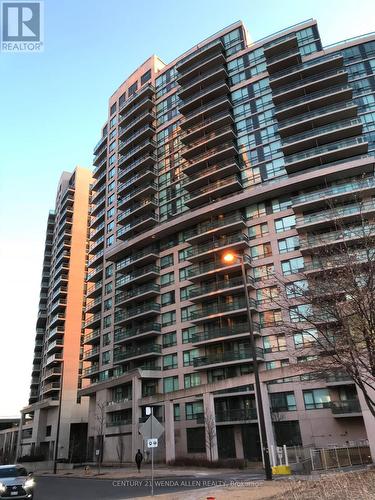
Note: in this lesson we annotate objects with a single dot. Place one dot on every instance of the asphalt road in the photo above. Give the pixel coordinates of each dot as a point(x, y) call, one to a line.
point(63, 488)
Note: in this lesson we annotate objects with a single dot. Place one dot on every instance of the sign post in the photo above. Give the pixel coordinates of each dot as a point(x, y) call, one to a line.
point(151, 430)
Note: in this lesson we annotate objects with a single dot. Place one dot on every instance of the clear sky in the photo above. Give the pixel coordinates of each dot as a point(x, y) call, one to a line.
point(53, 105)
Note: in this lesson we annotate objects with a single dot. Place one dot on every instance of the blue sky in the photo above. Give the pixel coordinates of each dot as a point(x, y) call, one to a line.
point(53, 105)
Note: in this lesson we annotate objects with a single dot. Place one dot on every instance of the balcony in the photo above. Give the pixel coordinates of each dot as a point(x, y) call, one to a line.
point(95, 258)
point(132, 102)
point(145, 104)
point(148, 254)
point(100, 143)
point(335, 237)
point(131, 140)
point(197, 55)
point(95, 289)
point(226, 358)
point(198, 272)
point(207, 141)
point(91, 370)
point(93, 321)
point(92, 338)
point(325, 154)
point(51, 387)
point(284, 60)
point(202, 80)
point(57, 319)
point(99, 180)
point(191, 69)
point(95, 245)
point(128, 159)
point(199, 115)
point(317, 118)
point(221, 309)
point(281, 44)
point(139, 313)
point(52, 373)
point(236, 415)
point(326, 217)
point(221, 225)
point(141, 331)
point(144, 351)
point(227, 287)
point(234, 241)
point(138, 193)
point(141, 275)
point(220, 334)
point(95, 274)
point(99, 204)
point(98, 230)
point(96, 220)
point(204, 95)
point(55, 346)
point(138, 121)
point(137, 225)
point(138, 208)
point(338, 378)
point(94, 305)
point(213, 191)
point(55, 358)
point(209, 157)
point(92, 354)
point(313, 101)
point(348, 408)
point(322, 135)
point(210, 174)
point(58, 331)
point(140, 293)
point(146, 161)
point(214, 122)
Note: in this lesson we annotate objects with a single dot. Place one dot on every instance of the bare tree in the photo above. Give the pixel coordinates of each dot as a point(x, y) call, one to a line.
point(120, 448)
point(332, 303)
point(210, 433)
point(99, 428)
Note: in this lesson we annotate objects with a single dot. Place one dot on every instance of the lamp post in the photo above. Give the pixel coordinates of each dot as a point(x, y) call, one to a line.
point(56, 451)
point(228, 258)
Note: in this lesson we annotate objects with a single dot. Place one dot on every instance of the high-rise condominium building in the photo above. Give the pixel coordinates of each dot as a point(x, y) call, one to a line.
point(57, 361)
point(234, 144)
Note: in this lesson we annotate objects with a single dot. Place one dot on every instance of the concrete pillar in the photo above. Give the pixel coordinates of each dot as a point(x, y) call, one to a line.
point(238, 441)
point(267, 415)
point(210, 426)
point(137, 440)
point(170, 449)
point(368, 420)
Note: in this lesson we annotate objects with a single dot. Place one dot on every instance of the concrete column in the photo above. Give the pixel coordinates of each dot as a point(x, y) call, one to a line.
point(170, 449)
point(210, 426)
point(137, 440)
point(368, 420)
point(267, 415)
point(238, 441)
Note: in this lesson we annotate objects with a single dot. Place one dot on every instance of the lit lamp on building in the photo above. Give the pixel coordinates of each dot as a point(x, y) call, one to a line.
point(229, 258)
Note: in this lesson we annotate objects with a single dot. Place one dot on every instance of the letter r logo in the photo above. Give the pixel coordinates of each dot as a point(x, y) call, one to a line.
point(21, 21)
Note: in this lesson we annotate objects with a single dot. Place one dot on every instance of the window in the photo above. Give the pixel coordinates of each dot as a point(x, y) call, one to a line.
point(296, 289)
point(106, 356)
point(264, 272)
point(184, 274)
point(110, 226)
point(189, 356)
point(271, 365)
point(305, 338)
point(270, 318)
point(111, 212)
point(176, 412)
point(283, 401)
point(274, 343)
point(168, 298)
point(316, 399)
point(113, 122)
point(166, 261)
point(196, 440)
point(112, 172)
point(110, 240)
point(145, 77)
point(256, 210)
point(261, 251)
point(187, 334)
point(107, 321)
point(109, 271)
point(300, 313)
point(107, 304)
point(113, 109)
point(258, 231)
point(108, 288)
point(122, 99)
point(111, 199)
point(132, 89)
point(292, 266)
point(193, 410)
point(170, 361)
point(48, 430)
point(111, 186)
point(106, 339)
point(183, 254)
point(170, 384)
point(167, 279)
point(192, 380)
point(112, 159)
point(169, 339)
point(281, 204)
point(168, 318)
point(288, 244)
point(285, 223)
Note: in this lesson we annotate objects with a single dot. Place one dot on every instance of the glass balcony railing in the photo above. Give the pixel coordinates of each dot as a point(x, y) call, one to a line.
point(206, 227)
point(214, 333)
point(197, 52)
point(205, 138)
point(345, 234)
point(313, 114)
point(332, 127)
point(305, 65)
point(313, 95)
point(136, 222)
point(231, 179)
point(208, 171)
point(218, 285)
point(237, 414)
point(217, 244)
point(207, 267)
point(200, 78)
point(220, 308)
point(139, 351)
point(151, 250)
point(125, 333)
point(92, 336)
point(136, 292)
point(348, 406)
point(136, 274)
point(136, 311)
point(202, 109)
point(310, 79)
point(283, 55)
point(203, 92)
point(225, 357)
point(335, 213)
point(205, 122)
point(136, 191)
point(208, 154)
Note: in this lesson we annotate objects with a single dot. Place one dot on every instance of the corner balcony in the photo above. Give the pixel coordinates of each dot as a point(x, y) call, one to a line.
point(137, 193)
point(215, 288)
point(202, 80)
point(94, 259)
point(199, 272)
point(197, 55)
point(97, 219)
point(99, 180)
point(214, 122)
point(327, 217)
point(221, 334)
point(213, 191)
point(144, 256)
point(140, 293)
point(281, 44)
point(200, 61)
point(138, 276)
point(312, 101)
point(221, 225)
point(137, 166)
point(145, 351)
point(325, 154)
point(58, 331)
point(92, 338)
point(338, 378)
point(207, 141)
point(98, 230)
point(98, 193)
point(100, 164)
point(51, 388)
point(54, 358)
point(96, 274)
point(199, 115)
point(93, 321)
point(100, 144)
point(283, 60)
point(52, 373)
point(210, 174)
point(95, 290)
point(138, 208)
point(92, 354)
point(143, 105)
point(237, 415)
point(220, 310)
point(212, 360)
point(310, 243)
point(57, 319)
point(98, 206)
point(147, 117)
point(141, 331)
point(94, 305)
point(132, 140)
point(345, 190)
point(132, 102)
point(203, 96)
point(317, 118)
point(91, 371)
point(132, 156)
point(96, 244)
point(137, 225)
point(209, 157)
point(322, 135)
point(348, 408)
point(55, 346)
point(137, 313)
point(237, 241)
